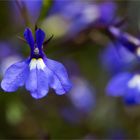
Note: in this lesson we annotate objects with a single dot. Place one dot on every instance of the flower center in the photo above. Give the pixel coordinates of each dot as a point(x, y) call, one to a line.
point(135, 82)
point(36, 51)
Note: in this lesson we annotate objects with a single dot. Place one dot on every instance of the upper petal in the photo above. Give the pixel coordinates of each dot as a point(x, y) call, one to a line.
point(40, 36)
point(29, 37)
point(59, 77)
point(15, 76)
point(118, 84)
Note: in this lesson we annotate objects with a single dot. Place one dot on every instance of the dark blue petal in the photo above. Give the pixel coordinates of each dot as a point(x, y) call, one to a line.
point(130, 99)
point(128, 41)
point(37, 83)
point(40, 36)
point(133, 96)
point(118, 84)
point(29, 37)
point(60, 81)
point(15, 76)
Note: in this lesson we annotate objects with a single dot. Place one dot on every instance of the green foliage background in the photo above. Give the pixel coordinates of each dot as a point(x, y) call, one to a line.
point(21, 116)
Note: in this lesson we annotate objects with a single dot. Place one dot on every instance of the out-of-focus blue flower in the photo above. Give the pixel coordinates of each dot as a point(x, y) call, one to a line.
point(128, 41)
point(117, 58)
point(82, 95)
point(126, 85)
point(5, 49)
point(37, 72)
point(29, 9)
point(84, 10)
point(8, 55)
point(81, 14)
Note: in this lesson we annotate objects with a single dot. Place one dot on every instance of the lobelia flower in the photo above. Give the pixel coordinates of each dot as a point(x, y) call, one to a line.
point(126, 85)
point(37, 72)
point(8, 55)
point(127, 40)
point(80, 10)
point(82, 95)
point(123, 58)
point(82, 14)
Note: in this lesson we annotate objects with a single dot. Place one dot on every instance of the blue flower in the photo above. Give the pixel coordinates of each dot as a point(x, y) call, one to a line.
point(81, 14)
point(127, 40)
point(120, 55)
point(37, 72)
point(82, 95)
point(126, 85)
point(8, 55)
point(80, 10)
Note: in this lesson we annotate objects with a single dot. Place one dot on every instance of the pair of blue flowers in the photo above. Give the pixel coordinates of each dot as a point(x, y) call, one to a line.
point(37, 72)
point(125, 84)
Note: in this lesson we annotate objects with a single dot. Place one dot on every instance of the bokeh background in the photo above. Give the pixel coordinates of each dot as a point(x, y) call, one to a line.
point(91, 59)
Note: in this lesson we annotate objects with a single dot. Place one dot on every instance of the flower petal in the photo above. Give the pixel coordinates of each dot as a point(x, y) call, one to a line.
point(37, 83)
point(132, 96)
point(118, 85)
point(60, 81)
point(130, 99)
point(15, 76)
point(29, 37)
point(107, 11)
point(40, 36)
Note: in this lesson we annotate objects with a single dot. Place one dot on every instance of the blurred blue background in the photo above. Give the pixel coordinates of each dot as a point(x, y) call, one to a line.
point(91, 59)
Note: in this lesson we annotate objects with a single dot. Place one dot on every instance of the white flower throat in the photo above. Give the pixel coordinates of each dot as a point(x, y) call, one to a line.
point(135, 82)
point(37, 63)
